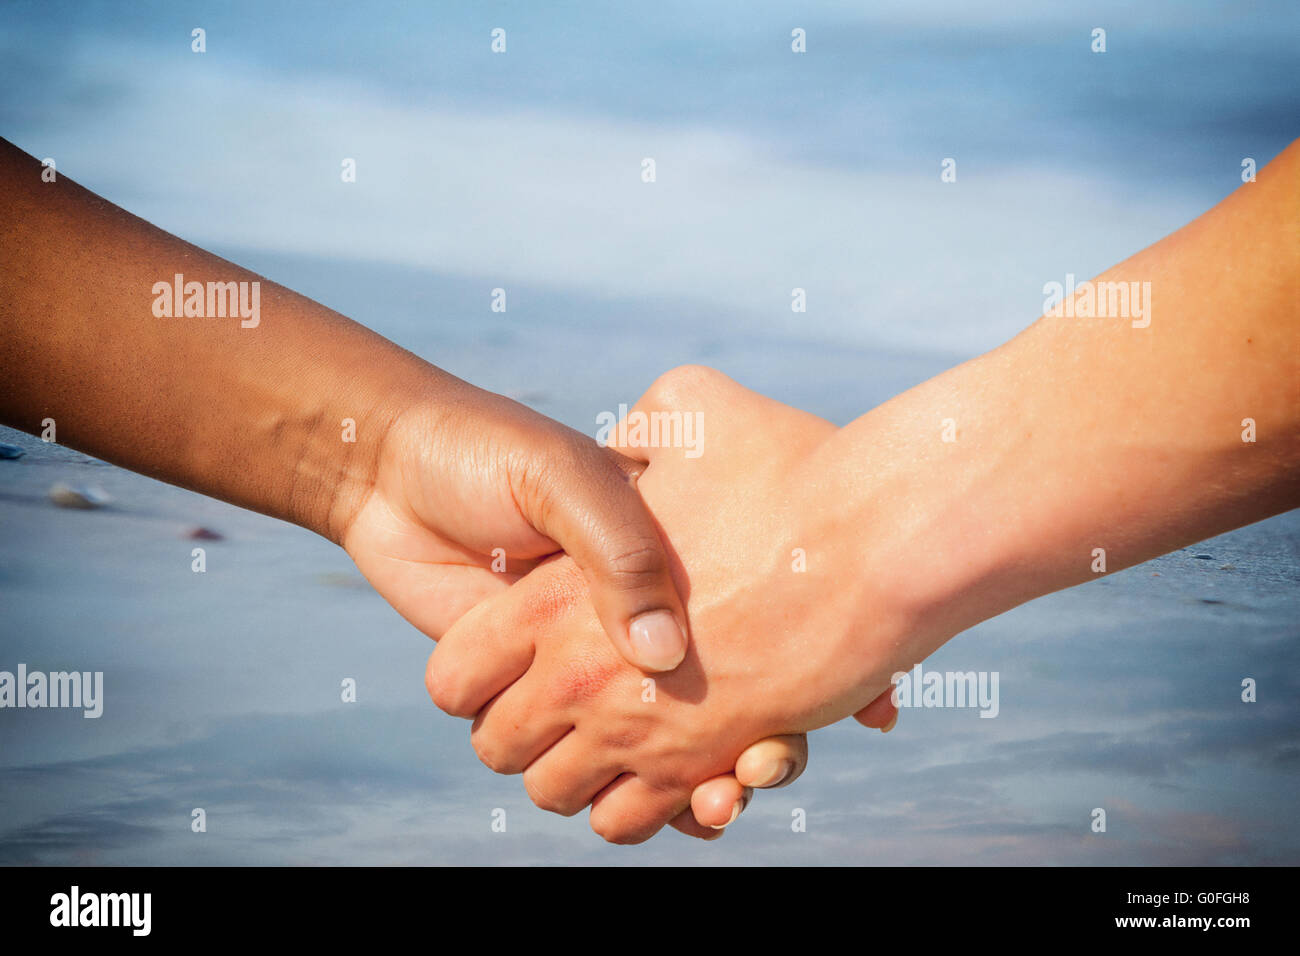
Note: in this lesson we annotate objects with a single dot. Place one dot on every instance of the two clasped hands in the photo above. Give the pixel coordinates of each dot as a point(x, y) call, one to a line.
point(773, 584)
point(740, 547)
point(766, 587)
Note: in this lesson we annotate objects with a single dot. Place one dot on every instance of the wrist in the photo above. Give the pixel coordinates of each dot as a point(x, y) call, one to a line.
point(926, 490)
point(339, 427)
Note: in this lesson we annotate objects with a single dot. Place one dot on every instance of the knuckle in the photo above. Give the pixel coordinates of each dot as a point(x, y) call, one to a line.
point(625, 737)
point(678, 384)
point(639, 564)
point(566, 805)
point(623, 834)
point(492, 754)
point(448, 691)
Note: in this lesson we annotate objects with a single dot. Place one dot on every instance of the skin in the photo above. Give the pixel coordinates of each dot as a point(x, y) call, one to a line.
point(1079, 434)
point(441, 473)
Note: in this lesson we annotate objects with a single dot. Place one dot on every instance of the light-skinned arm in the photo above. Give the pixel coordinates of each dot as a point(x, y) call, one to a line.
point(1119, 437)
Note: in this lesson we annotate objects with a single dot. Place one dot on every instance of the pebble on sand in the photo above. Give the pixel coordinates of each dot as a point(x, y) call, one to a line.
point(10, 451)
point(66, 496)
point(200, 533)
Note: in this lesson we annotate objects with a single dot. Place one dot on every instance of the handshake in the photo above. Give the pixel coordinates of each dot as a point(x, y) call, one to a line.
point(647, 629)
point(577, 668)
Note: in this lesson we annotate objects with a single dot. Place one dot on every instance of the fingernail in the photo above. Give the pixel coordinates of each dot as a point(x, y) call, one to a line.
point(890, 726)
point(657, 641)
point(777, 771)
point(735, 812)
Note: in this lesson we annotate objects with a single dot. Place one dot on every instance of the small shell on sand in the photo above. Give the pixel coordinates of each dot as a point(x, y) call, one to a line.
point(66, 496)
point(200, 533)
point(10, 451)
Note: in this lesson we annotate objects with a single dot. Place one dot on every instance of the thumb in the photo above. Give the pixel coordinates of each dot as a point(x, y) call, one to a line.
point(599, 518)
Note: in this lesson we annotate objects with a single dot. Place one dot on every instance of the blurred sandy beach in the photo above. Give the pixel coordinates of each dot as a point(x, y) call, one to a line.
point(222, 689)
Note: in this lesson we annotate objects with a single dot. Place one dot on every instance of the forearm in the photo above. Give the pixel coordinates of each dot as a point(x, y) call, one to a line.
point(1090, 433)
point(248, 407)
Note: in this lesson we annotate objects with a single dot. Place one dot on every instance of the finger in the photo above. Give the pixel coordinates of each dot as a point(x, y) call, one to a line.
point(631, 811)
point(718, 802)
point(774, 762)
point(686, 823)
point(597, 516)
point(516, 727)
point(880, 713)
point(565, 779)
point(434, 596)
point(480, 655)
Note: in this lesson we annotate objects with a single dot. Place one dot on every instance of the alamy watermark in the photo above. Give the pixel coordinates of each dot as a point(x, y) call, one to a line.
point(922, 688)
point(75, 908)
point(1098, 300)
point(652, 430)
point(212, 300)
point(83, 690)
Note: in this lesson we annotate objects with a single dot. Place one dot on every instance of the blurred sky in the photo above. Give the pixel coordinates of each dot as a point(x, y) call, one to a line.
point(522, 170)
point(775, 170)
